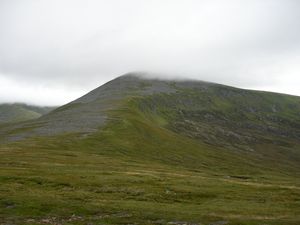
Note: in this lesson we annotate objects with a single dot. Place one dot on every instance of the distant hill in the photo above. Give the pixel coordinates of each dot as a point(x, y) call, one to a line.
point(10, 113)
point(149, 151)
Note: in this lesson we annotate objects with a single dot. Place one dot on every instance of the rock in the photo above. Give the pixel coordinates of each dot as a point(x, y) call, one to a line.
point(219, 223)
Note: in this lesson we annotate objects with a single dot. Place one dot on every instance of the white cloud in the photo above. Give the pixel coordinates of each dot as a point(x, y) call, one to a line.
point(12, 91)
point(60, 46)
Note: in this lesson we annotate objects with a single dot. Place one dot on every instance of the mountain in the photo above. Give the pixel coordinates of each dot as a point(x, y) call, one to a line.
point(17, 112)
point(149, 151)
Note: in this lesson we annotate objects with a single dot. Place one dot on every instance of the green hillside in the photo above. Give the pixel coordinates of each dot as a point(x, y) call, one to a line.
point(140, 151)
point(10, 113)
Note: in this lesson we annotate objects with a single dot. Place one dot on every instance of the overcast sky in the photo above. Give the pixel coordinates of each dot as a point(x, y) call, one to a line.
point(53, 51)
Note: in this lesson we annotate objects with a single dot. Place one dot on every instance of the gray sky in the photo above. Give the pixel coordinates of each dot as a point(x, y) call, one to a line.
point(53, 51)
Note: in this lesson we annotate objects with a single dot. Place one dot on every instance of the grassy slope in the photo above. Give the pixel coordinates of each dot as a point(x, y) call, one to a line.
point(265, 125)
point(138, 171)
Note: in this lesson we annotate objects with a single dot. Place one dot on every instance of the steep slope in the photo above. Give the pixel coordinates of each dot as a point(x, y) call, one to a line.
point(89, 112)
point(228, 116)
point(20, 112)
point(144, 151)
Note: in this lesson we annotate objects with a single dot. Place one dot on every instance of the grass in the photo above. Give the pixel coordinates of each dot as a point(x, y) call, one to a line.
point(136, 171)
